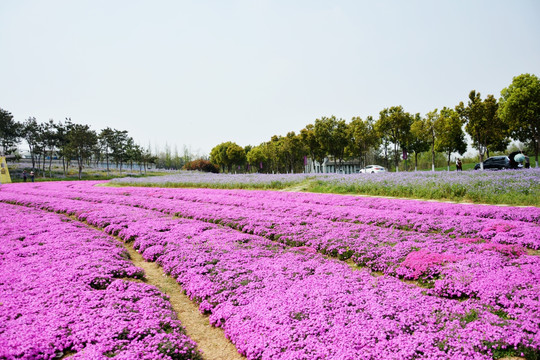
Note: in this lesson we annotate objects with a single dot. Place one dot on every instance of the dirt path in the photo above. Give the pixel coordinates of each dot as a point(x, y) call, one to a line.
point(211, 340)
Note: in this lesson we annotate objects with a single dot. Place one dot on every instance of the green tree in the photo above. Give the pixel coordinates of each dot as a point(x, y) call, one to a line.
point(106, 143)
point(235, 156)
point(227, 154)
point(395, 124)
point(30, 132)
point(256, 157)
point(119, 146)
point(497, 136)
point(424, 128)
point(82, 141)
point(418, 142)
point(311, 144)
point(520, 110)
point(332, 135)
point(10, 132)
point(362, 137)
point(477, 125)
point(449, 136)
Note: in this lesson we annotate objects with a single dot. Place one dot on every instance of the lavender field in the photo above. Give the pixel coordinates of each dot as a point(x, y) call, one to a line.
point(285, 275)
point(512, 187)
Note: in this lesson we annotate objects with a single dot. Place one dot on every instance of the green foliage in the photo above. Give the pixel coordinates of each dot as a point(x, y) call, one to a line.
point(228, 154)
point(395, 124)
point(520, 110)
point(10, 132)
point(332, 135)
point(449, 133)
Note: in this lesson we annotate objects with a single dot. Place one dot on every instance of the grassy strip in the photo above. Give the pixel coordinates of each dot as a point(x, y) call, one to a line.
point(438, 191)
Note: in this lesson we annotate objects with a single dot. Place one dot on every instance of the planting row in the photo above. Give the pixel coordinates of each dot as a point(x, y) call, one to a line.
point(450, 267)
point(275, 302)
point(61, 293)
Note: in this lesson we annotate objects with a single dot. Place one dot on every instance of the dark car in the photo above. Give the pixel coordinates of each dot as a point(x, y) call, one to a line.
point(495, 163)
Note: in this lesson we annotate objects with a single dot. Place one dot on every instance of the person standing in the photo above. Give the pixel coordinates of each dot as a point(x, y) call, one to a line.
point(459, 165)
point(24, 175)
point(32, 175)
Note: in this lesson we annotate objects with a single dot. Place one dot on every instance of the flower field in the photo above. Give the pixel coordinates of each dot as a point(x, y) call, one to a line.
point(286, 275)
point(512, 187)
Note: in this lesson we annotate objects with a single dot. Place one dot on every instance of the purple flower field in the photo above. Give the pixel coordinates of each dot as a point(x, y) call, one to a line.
point(64, 289)
point(289, 275)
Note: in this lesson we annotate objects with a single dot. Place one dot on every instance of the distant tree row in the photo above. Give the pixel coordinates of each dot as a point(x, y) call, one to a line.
point(67, 141)
point(491, 124)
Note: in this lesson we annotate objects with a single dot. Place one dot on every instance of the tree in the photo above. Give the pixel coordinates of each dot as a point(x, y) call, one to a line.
point(82, 141)
point(362, 136)
point(424, 128)
point(119, 145)
point(311, 144)
point(227, 154)
point(449, 136)
point(395, 124)
point(331, 133)
point(497, 139)
point(30, 132)
point(256, 157)
point(293, 152)
point(520, 110)
point(62, 142)
point(476, 123)
point(10, 132)
point(418, 143)
point(106, 143)
point(235, 156)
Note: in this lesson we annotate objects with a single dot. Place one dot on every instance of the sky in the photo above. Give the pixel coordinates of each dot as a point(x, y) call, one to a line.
point(198, 73)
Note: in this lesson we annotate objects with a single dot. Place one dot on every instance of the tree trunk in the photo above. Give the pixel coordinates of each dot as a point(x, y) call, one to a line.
point(448, 161)
point(415, 161)
point(433, 156)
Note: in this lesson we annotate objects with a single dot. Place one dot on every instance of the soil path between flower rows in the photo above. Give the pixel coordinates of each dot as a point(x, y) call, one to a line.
point(210, 340)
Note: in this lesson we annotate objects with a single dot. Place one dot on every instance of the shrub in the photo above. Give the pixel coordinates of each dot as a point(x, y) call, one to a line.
point(201, 165)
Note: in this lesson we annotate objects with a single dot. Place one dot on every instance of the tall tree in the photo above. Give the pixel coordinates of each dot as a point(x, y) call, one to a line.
point(312, 146)
point(331, 133)
point(10, 132)
point(497, 137)
point(395, 124)
point(477, 125)
point(449, 136)
point(82, 141)
point(30, 132)
point(363, 137)
point(424, 128)
point(106, 142)
point(418, 142)
point(520, 110)
point(256, 157)
point(119, 146)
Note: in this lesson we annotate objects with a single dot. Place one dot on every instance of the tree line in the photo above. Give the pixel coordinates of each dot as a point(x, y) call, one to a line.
point(67, 141)
point(396, 134)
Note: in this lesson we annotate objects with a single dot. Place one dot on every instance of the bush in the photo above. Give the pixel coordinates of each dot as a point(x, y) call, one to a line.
point(201, 165)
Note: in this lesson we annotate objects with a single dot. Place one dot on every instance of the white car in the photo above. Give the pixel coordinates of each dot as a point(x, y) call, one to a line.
point(371, 169)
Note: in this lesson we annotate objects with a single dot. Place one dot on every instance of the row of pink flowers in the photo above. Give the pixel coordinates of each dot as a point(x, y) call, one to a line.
point(315, 307)
point(61, 293)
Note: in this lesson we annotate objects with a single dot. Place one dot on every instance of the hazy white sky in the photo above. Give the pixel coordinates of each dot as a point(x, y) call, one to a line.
point(198, 73)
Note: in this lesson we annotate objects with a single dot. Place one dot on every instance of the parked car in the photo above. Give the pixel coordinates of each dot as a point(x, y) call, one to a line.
point(495, 163)
point(370, 169)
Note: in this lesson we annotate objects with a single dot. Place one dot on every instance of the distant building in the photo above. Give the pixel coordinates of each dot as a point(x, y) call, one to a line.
point(350, 166)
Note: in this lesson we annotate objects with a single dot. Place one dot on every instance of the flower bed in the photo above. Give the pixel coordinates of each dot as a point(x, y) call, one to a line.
point(62, 291)
point(275, 301)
